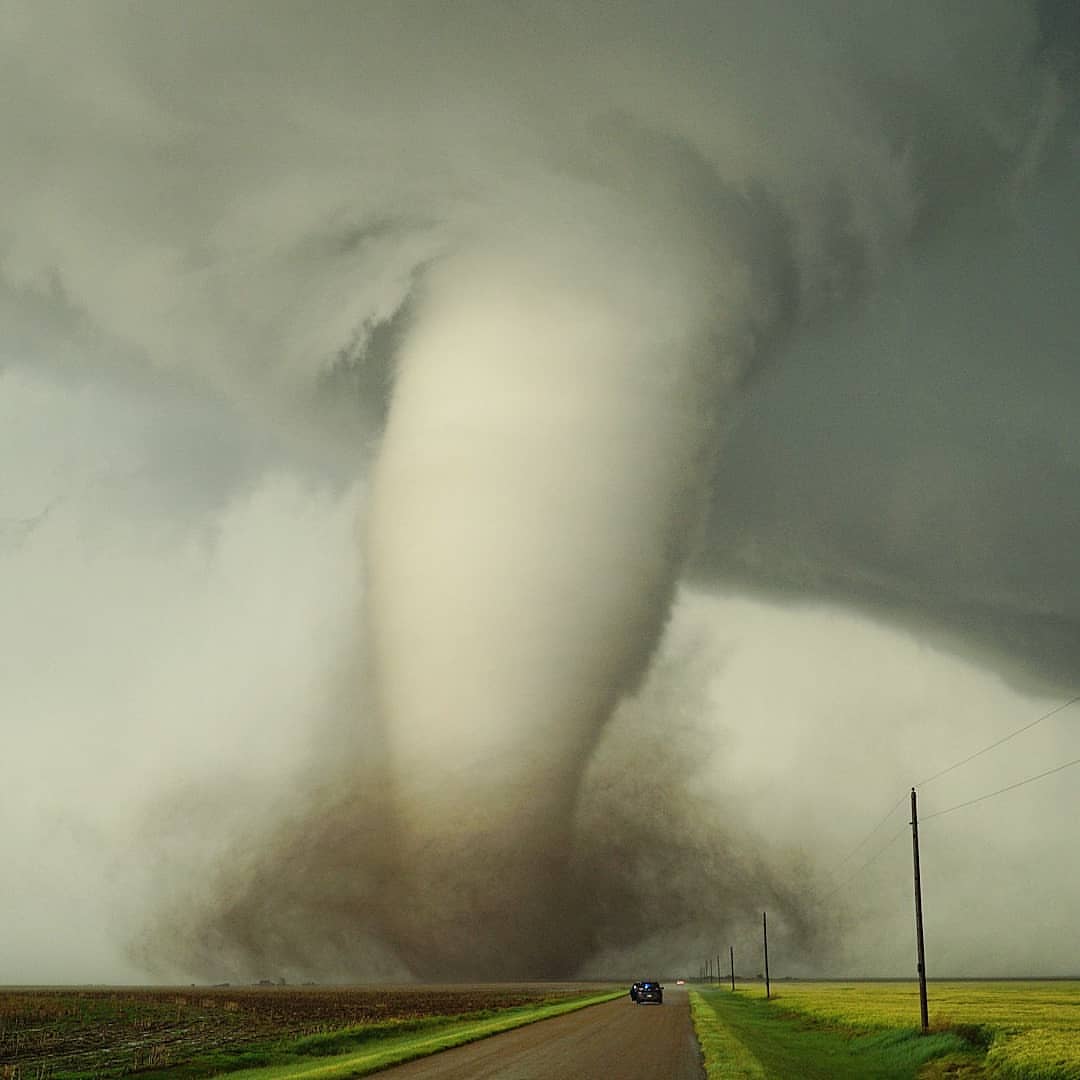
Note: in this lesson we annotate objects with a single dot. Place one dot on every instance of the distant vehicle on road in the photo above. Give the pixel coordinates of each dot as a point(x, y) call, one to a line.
point(647, 993)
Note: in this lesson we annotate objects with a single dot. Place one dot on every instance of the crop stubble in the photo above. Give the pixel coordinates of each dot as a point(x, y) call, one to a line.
point(46, 1033)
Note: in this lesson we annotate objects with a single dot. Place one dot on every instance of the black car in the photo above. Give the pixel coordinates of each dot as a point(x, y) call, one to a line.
point(647, 993)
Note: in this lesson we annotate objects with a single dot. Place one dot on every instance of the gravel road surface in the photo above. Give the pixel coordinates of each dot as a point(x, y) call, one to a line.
point(614, 1041)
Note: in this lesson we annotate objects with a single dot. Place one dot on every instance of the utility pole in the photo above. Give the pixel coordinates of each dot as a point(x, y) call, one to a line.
point(765, 936)
point(731, 953)
point(918, 913)
point(717, 969)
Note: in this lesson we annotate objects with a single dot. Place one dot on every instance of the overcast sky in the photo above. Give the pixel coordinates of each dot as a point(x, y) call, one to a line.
point(424, 428)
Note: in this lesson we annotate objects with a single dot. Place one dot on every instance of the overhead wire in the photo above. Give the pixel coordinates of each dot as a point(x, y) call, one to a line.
point(869, 862)
point(999, 742)
point(870, 834)
point(1001, 791)
point(936, 776)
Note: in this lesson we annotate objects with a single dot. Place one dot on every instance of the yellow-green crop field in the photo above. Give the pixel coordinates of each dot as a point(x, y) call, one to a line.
point(1033, 1028)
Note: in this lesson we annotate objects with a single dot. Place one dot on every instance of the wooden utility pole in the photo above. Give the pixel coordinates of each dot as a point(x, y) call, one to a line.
point(731, 953)
point(918, 913)
point(717, 969)
point(765, 936)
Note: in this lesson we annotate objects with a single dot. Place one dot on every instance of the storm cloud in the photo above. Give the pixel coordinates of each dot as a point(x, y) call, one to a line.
point(452, 456)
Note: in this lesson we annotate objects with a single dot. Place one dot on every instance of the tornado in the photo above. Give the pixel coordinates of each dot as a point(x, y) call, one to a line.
point(538, 481)
point(507, 275)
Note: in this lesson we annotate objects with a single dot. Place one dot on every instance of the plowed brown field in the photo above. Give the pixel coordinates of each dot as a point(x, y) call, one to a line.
point(53, 1034)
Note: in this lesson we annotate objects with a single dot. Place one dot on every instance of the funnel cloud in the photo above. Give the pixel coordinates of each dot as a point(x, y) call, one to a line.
point(515, 490)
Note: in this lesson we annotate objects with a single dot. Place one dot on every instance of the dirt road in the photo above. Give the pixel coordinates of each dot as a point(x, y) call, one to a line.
point(615, 1041)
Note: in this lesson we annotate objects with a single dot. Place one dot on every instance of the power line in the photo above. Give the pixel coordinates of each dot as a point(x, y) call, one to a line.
point(936, 776)
point(937, 813)
point(1001, 791)
point(999, 742)
point(866, 838)
point(873, 859)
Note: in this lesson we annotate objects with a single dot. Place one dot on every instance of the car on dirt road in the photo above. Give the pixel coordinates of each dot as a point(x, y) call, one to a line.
point(651, 993)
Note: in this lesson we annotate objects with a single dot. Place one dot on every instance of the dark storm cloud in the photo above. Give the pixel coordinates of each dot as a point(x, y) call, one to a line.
point(921, 457)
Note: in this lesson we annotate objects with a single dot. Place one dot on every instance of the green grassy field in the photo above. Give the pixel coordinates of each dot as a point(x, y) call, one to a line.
point(1007, 1030)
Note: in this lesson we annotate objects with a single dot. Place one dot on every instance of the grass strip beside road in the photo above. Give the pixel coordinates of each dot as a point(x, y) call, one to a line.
point(363, 1050)
point(726, 1058)
point(744, 1037)
point(1031, 1029)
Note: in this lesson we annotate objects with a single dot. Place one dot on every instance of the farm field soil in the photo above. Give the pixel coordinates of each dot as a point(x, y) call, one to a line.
point(189, 1032)
point(1012, 1030)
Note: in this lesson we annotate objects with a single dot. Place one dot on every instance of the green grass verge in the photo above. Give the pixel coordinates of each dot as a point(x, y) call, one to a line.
point(363, 1050)
point(1031, 1028)
point(746, 1038)
point(726, 1057)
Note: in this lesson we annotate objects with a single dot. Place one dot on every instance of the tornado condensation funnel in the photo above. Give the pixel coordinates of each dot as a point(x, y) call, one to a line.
point(538, 480)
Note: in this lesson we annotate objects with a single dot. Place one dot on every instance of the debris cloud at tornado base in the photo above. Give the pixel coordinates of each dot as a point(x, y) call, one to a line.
point(518, 287)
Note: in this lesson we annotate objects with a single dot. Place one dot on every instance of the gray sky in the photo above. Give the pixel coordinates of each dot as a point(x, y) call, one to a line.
point(425, 428)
